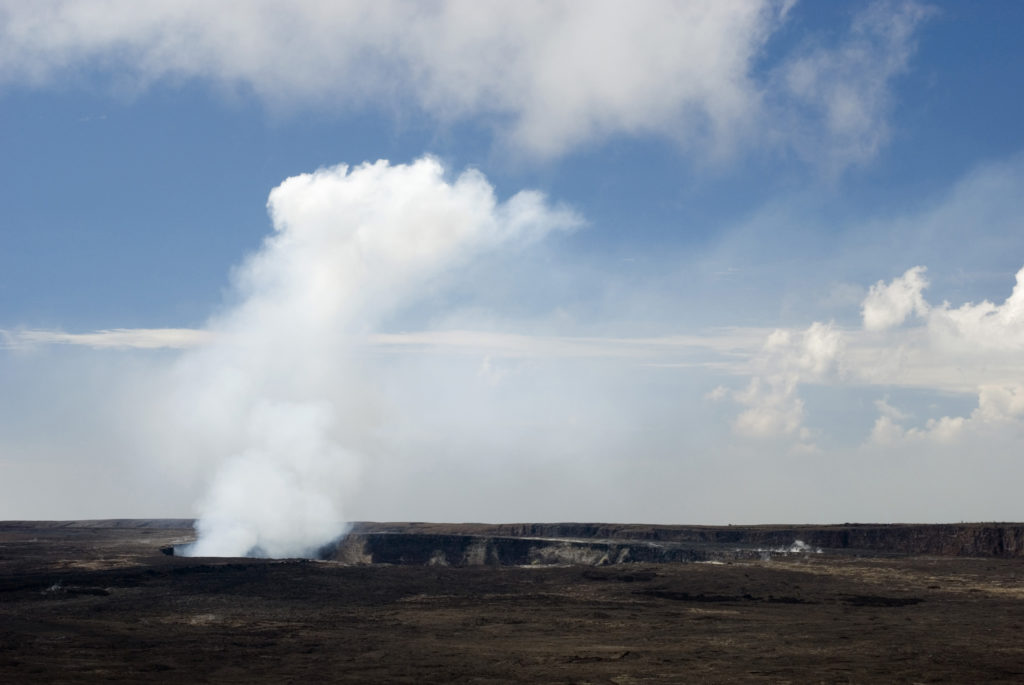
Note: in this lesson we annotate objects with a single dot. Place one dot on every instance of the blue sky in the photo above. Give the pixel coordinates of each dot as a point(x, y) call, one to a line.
point(716, 290)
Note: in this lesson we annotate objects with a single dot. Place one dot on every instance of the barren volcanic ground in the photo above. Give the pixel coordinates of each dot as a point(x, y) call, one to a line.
point(91, 601)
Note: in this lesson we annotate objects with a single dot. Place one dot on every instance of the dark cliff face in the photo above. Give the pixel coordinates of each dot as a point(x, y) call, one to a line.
point(596, 544)
point(602, 544)
point(429, 549)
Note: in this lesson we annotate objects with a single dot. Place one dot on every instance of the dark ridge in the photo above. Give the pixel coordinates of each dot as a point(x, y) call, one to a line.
point(1004, 540)
point(431, 549)
point(597, 544)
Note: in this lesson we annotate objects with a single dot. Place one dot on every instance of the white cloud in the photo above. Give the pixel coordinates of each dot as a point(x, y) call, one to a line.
point(998, 403)
point(974, 349)
point(950, 349)
point(550, 75)
point(117, 338)
point(788, 358)
point(889, 411)
point(716, 347)
point(774, 409)
point(1000, 410)
point(718, 393)
point(889, 305)
point(886, 430)
point(984, 327)
point(847, 86)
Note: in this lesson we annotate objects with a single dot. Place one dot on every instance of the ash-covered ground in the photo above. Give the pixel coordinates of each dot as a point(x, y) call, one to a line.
point(563, 603)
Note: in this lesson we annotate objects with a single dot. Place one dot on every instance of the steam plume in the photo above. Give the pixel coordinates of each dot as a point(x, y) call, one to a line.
point(265, 398)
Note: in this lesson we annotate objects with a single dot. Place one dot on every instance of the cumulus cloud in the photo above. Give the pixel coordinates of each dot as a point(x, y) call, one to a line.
point(950, 349)
point(774, 409)
point(984, 327)
point(971, 350)
point(788, 358)
point(889, 305)
point(1000, 409)
point(549, 75)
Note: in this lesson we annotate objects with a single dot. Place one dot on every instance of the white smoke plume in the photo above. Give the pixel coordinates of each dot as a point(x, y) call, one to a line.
point(269, 399)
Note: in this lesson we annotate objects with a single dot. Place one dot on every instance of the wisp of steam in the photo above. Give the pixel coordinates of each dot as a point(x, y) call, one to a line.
point(266, 401)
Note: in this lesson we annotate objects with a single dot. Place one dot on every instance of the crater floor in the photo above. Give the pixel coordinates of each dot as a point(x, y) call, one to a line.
point(83, 602)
